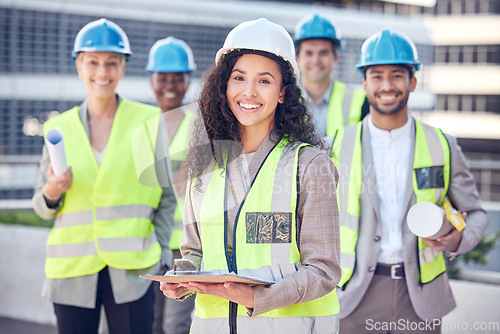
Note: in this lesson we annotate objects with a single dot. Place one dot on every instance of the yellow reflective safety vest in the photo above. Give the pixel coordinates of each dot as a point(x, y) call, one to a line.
point(177, 151)
point(344, 108)
point(105, 218)
point(431, 178)
point(264, 245)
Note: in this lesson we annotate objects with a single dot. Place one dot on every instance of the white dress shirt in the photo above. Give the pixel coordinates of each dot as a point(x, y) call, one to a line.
point(99, 155)
point(319, 109)
point(391, 158)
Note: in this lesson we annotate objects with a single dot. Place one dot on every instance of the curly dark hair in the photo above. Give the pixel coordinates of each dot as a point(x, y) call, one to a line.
point(216, 128)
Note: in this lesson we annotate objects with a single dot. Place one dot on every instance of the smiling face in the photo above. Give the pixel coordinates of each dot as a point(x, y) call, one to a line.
point(101, 72)
point(254, 91)
point(169, 89)
point(388, 88)
point(317, 60)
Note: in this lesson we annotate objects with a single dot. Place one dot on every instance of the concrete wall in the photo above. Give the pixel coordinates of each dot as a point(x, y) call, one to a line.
point(22, 253)
point(477, 310)
point(22, 256)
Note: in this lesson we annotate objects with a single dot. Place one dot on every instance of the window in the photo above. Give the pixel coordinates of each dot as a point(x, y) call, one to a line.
point(470, 7)
point(481, 103)
point(482, 54)
point(468, 54)
point(41, 42)
point(493, 54)
point(456, 7)
point(16, 116)
point(469, 103)
point(484, 6)
point(453, 102)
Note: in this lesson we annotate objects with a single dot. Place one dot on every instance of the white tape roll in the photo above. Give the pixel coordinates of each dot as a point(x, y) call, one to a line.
point(427, 220)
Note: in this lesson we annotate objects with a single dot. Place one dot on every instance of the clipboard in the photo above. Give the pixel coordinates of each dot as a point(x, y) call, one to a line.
point(208, 278)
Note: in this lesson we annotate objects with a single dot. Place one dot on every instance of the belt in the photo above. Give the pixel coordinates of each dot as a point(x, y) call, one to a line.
point(396, 271)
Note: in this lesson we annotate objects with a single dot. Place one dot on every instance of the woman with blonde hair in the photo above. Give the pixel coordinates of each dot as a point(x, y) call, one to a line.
point(109, 228)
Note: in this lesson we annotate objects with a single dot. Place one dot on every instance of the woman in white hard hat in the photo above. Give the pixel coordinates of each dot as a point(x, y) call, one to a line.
point(171, 63)
point(262, 199)
point(109, 228)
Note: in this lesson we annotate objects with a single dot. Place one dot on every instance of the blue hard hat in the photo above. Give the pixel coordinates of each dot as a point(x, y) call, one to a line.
point(388, 48)
point(101, 35)
point(170, 55)
point(316, 26)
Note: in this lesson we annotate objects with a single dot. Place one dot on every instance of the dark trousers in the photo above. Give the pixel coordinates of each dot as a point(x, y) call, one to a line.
point(171, 316)
point(386, 308)
point(127, 318)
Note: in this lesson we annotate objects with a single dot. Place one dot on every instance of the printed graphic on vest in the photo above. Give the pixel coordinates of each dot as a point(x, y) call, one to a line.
point(268, 227)
point(430, 177)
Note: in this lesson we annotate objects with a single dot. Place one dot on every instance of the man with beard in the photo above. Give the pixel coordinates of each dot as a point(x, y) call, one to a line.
point(393, 281)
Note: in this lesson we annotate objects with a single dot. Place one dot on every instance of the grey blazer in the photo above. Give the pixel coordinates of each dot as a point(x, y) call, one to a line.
point(432, 300)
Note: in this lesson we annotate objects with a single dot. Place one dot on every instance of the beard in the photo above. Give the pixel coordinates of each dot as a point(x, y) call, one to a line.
point(392, 111)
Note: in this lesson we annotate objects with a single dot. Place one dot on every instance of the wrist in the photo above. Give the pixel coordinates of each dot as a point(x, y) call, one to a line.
point(51, 202)
point(51, 198)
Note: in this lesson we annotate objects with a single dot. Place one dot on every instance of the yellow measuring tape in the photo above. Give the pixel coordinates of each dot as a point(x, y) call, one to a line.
point(454, 217)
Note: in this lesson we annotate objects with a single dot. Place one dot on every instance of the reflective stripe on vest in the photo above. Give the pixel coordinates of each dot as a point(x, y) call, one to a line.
point(109, 213)
point(344, 108)
point(105, 245)
point(253, 325)
point(106, 215)
point(349, 154)
point(177, 151)
point(259, 249)
point(431, 152)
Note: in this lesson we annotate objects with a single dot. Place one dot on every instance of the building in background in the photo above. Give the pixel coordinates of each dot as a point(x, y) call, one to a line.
point(38, 77)
point(464, 75)
point(466, 80)
point(458, 42)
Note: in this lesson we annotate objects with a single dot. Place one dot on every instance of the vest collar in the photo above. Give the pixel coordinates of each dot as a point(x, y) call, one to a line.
point(265, 147)
point(82, 112)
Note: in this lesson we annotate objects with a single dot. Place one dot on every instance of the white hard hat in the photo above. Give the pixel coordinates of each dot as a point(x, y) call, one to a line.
point(261, 35)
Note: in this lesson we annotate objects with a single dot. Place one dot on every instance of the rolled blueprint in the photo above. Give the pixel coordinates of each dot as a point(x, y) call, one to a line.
point(55, 145)
point(427, 220)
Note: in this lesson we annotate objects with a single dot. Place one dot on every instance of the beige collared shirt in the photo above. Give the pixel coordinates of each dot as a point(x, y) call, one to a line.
point(317, 223)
